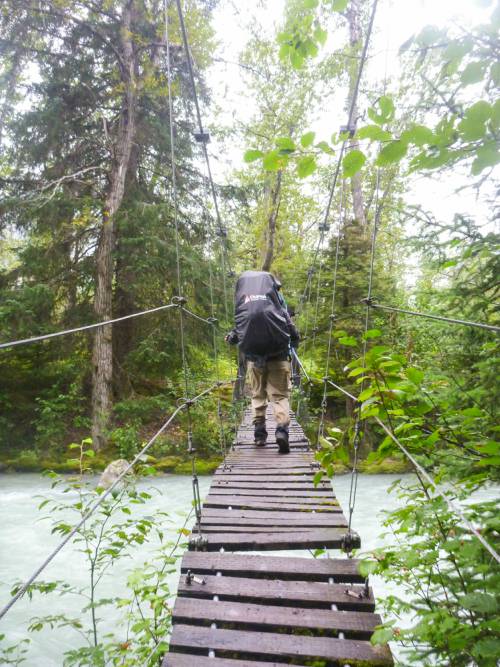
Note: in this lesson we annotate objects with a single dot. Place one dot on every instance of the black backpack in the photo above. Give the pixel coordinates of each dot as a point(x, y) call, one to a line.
point(261, 323)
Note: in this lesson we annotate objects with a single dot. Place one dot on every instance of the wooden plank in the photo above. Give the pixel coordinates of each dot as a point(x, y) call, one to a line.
point(247, 529)
point(309, 521)
point(279, 646)
point(284, 592)
point(260, 478)
point(331, 538)
point(256, 517)
point(280, 493)
point(295, 502)
point(190, 660)
point(305, 472)
point(245, 614)
point(270, 485)
point(268, 504)
point(273, 567)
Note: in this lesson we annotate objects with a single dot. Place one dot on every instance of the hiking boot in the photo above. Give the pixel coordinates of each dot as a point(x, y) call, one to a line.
point(282, 439)
point(260, 434)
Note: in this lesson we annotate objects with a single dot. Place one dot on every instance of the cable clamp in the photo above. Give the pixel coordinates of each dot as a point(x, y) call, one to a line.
point(202, 137)
point(350, 129)
point(368, 301)
point(350, 541)
point(179, 300)
point(323, 404)
point(315, 330)
point(323, 227)
point(231, 274)
point(198, 543)
point(212, 320)
point(354, 594)
point(310, 272)
point(222, 232)
point(325, 378)
point(333, 317)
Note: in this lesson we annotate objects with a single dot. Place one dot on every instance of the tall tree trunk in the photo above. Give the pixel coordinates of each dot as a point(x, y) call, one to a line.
point(272, 217)
point(355, 37)
point(102, 357)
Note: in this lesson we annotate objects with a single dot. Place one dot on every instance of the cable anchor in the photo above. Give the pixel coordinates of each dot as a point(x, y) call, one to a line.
point(349, 129)
point(179, 300)
point(368, 301)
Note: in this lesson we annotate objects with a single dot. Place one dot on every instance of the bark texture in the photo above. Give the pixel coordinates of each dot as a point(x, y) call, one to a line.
point(102, 357)
point(272, 217)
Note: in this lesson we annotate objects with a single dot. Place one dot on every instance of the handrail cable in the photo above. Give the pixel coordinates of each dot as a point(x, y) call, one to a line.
point(321, 426)
point(451, 504)
point(440, 318)
point(202, 137)
point(191, 450)
point(185, 404)
point(86, 327)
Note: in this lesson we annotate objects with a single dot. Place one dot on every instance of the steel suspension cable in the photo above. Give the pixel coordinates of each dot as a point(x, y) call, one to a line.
point(440, 318)
point(321, 427)
point(185, 404)
point(86, 327)
point(202, 137)
point(181, 298)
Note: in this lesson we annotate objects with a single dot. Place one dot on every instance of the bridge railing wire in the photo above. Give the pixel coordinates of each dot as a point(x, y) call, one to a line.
point(456, 509)
point(186, 402)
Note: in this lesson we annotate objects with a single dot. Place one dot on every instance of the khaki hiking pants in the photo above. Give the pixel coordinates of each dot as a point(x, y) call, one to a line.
point(272, 382)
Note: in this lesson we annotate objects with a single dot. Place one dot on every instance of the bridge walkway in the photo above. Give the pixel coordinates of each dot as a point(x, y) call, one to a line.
point(239, 609)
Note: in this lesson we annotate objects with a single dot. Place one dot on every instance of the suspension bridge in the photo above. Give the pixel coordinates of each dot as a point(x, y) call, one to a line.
point(237, 607)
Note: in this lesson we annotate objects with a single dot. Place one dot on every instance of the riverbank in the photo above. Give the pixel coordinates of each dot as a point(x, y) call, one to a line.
point(29, 462)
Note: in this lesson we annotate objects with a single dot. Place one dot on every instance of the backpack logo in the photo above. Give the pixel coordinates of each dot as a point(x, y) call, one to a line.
point(255, 297)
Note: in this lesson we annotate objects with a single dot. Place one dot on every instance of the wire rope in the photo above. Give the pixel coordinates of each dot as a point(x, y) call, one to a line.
point(440, 318)
point(202, 137)
point(186, 403)
point(86, 327)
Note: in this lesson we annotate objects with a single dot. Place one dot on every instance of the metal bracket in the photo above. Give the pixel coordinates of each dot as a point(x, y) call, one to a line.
point(351, 129)
point(202, 137)
point(179, 300)
point(190, 578)
point(368, 301)
point(198, 543)
point(349, 542)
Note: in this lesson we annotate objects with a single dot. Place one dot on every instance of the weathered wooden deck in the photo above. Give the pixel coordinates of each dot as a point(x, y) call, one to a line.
point(249, 610)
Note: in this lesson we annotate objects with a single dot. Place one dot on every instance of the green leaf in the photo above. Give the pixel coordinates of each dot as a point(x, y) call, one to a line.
point(252, 155)
point(320, 35)
point(386, 111)
point(271, 161)
point(323, 146)
point(486, 156)
point(392, 152)
point(488, 647)
point(306, 166)
point(367, 567)
point(480, 602)
point(285, 145)
point(307, 139)
point(374, 133)
point(372, 333)
point(473, 125)
point(382, 635)
point(415, 375)
point(348, 340)
point(310, 4)
point(473, 73)
point(339, 5)
point(352, 163)
point(418, 135)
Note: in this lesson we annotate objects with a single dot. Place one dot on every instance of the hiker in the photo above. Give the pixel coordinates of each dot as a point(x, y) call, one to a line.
point(265, 334)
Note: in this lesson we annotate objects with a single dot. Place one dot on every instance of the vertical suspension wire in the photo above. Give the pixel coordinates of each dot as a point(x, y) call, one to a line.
point(202, 137)
point(180, 297)
point(332, 316)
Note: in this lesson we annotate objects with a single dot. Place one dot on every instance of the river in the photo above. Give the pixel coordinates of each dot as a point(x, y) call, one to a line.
point(25, 541)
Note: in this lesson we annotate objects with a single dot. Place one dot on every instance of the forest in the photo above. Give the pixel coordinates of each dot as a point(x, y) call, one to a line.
point(359, 168)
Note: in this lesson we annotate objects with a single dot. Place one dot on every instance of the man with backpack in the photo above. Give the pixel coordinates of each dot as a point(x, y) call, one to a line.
point(265, 334)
